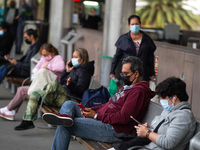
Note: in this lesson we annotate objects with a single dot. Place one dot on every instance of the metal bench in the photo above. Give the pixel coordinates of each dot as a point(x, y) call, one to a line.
point(154, 109)
point(15, 81)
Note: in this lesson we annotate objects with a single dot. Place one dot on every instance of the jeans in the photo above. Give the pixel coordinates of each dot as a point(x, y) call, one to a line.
point(86, 128)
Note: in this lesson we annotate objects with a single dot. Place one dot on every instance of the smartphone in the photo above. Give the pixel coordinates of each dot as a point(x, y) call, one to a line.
point(135, 119)
point(81, 106)
point(70, 64)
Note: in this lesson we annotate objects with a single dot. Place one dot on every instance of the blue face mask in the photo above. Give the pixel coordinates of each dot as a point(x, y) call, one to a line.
point(1, 32)
point(75, 62)
point(135, 28)
point(165, 104)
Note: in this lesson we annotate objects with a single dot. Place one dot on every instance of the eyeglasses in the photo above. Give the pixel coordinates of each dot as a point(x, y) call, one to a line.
point(124, 74)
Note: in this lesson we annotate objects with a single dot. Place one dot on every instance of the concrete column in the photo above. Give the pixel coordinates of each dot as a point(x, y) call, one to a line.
point(60, 18)
point(115, 22)
point(112, 25)
point(128, 9)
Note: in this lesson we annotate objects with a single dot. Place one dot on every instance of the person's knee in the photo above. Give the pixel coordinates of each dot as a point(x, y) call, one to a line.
point(67, 103)
point(20, 89)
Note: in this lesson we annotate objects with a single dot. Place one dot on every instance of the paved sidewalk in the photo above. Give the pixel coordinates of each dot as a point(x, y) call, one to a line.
point(33, 139)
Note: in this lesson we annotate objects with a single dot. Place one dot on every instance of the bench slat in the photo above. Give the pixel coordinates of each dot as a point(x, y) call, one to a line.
point(47, 109)
point(93, 145)
point(18, 81)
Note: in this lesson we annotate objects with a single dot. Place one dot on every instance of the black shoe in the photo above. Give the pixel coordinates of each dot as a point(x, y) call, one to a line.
point(58, 119)
point(25, 125)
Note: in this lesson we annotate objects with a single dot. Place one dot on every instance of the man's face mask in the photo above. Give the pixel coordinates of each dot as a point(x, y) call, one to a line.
point(27, 41)
point(126, 79)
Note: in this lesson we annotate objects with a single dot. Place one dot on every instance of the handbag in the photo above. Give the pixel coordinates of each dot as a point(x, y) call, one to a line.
point(126, 141)
point(42, 78)
point(113, 86)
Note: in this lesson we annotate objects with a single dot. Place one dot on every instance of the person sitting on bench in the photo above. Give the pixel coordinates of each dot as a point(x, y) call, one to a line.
point(21, 67)
point(74, 81)
point(176, 125)
point(101, 122)
point(50, 60)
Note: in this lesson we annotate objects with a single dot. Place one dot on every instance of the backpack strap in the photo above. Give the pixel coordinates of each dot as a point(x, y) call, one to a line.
point(158, 126)
point(185, 108)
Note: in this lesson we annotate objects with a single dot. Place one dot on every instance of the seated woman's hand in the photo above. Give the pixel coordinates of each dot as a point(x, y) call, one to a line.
point(142, 129)
point(45, 67)
point(68, 81)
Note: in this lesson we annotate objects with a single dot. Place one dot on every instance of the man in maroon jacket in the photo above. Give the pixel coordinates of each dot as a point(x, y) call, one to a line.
point(100, 123)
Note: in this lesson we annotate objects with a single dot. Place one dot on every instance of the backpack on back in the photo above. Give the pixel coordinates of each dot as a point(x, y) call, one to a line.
point(95, 97)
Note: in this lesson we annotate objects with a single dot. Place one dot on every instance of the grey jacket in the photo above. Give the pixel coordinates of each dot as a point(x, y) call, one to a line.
point(176, 131)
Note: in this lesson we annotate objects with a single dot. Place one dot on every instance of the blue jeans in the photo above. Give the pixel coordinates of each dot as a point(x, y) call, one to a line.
point(86, 128)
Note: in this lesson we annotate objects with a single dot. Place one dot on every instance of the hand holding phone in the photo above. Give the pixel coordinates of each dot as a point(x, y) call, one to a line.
point(81, 106)
point(70, 64)
point(135, 119)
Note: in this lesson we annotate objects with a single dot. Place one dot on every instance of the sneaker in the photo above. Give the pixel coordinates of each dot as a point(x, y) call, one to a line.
point(7, 117)
point(6, 114)
point(25, 125)
point(58, 119)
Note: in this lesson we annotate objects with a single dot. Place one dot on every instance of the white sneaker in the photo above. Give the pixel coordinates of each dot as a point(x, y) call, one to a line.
point(2, 111)
point(6, 114)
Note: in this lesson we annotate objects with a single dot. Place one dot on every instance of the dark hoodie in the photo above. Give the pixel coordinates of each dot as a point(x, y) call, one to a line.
point(131, 102)
point(80, 79)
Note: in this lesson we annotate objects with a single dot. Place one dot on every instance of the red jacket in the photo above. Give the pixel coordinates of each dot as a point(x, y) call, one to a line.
point(131, 102)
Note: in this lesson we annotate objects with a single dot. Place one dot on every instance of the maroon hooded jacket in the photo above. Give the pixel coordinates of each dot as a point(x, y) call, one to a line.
point(131, 102)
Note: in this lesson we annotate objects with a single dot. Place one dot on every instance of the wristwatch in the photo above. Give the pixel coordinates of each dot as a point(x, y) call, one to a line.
point(95, 116)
